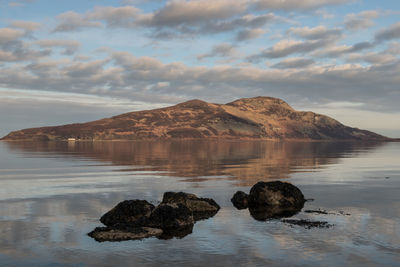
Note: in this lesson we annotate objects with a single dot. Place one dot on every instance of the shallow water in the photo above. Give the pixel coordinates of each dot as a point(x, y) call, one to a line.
point(52, 194)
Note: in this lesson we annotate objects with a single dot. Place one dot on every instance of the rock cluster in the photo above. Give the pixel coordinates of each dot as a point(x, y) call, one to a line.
point(138, 219)
point(268, 200)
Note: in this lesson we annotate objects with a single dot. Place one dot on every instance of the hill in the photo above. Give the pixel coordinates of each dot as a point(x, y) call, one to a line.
point(247, 118)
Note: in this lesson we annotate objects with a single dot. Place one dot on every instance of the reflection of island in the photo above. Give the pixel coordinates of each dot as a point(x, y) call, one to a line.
point(201, 160)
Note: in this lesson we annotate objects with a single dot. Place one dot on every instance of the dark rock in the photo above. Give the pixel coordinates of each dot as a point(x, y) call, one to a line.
point(281, 194)
point(137, 219)
point(127, 212)
point(202, 208)
point(240, 200)
point(170, 216)
point(102, 234)
point(308, 224)
point(270, 200)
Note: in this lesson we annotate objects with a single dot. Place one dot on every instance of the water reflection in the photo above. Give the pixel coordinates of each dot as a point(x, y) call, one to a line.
point(52, 195)
point(245, 162)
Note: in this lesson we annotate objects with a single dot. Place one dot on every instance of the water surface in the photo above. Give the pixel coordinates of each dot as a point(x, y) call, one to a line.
point(53, 193)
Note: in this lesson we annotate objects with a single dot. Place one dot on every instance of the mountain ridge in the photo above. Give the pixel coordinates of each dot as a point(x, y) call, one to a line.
point(247, 118)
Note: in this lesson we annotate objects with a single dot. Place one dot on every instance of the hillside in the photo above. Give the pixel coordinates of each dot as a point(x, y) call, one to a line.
point(248, 118)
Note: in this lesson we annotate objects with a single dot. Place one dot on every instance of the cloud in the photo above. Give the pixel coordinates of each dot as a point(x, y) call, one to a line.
point(13, 49)
point(360, 21)
point(314, 39)
point(249, 34)
point(247, 22)
point(389, 55)
point(296, 5)
point(10, 34)
point(114, 16)
point(25, 25)
point(373, 58)
point(175, 19)
point(22, 53)
point(72, 21)
point(221, 50)
point(294, 63)
point(192, 12)
point(337, 51)
point(316, 33)
point(390, 33)
point(287, 47)
point(70, 46)
point(20, 3)
point(123, 75)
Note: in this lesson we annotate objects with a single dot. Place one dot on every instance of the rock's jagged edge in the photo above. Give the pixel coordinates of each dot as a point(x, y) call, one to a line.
point(249, 118)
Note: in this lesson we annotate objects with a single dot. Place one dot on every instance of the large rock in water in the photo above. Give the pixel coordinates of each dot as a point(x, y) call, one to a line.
point(202, 208)
point(270, 200)
point(276, 194)
point(127, 212)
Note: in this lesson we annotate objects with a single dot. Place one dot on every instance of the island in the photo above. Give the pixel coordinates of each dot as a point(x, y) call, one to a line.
point(260, 117)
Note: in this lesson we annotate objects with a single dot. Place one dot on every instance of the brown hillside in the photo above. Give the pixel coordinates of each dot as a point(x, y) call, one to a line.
point(248, 118)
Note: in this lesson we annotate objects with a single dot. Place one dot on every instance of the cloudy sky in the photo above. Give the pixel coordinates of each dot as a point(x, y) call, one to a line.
point(75, 61)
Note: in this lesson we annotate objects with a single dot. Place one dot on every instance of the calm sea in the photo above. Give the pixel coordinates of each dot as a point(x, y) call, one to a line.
point(53, 194)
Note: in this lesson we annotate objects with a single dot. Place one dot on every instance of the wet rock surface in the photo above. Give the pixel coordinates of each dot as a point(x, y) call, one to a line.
point(202, 208)
point(240, 200)
point(102, 234)
point(138, 219)
point(127, 212)
point(277, 193)
point(169, 216)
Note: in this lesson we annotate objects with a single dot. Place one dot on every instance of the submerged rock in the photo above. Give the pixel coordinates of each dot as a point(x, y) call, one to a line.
point(127, 212)
point(280, 194)
point(307, 223)
point(240, 200)
point(102, 234)
point(202, 208)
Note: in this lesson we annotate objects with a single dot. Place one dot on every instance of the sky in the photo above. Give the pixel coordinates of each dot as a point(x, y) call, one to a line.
point(75, 61)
